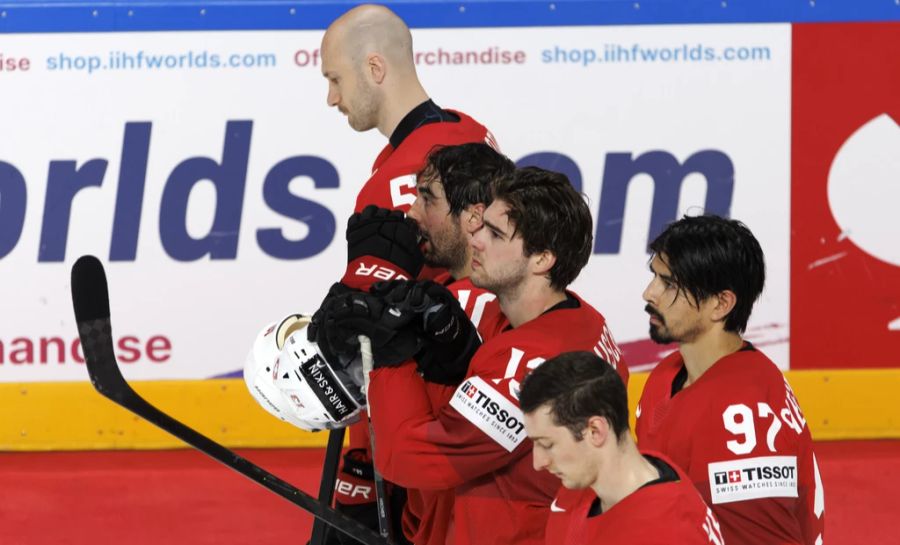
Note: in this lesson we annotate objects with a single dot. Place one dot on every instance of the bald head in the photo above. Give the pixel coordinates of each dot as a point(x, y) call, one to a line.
point(367, 58)
point(369, 29)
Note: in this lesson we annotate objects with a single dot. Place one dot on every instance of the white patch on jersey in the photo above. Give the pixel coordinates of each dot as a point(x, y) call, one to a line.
point(753, 478)
point(491, 412)
point(555, 508)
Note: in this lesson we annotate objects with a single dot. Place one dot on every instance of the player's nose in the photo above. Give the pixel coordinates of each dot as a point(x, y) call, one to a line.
point(540, 460)
point(649, 294)
point(476, 240)
point(333, 97)
point(415, 212)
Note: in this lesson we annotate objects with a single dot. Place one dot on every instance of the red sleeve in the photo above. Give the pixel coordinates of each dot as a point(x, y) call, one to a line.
point(427, 449)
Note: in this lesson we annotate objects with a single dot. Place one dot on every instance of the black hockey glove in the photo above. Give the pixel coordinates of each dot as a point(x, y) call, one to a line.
point(343, 318)
point(314, 328)
point(382, 244)
point(450, 337)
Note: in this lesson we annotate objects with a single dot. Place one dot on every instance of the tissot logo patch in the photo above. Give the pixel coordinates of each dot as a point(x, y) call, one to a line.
point(753, 478)
point(490, 411)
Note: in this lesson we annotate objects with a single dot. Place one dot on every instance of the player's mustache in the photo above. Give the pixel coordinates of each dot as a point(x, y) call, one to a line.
point(421, 235)
point(653, 312)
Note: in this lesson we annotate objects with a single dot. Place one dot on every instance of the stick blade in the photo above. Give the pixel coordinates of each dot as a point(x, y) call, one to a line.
point(90, 294)
point(90, 299)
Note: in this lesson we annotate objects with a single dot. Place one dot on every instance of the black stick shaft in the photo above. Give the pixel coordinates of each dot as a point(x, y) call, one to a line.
point(90, 298)
point(329, 477)
point(322, 512)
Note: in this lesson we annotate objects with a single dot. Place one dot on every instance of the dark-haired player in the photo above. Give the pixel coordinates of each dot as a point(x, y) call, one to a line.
point(718, 407)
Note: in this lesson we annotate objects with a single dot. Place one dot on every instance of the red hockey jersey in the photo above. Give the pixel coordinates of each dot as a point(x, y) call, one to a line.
point(393, 181)
point(739, 434)
point(428, 512)
point(664, 513)
point(393, 185)
point(477, 442)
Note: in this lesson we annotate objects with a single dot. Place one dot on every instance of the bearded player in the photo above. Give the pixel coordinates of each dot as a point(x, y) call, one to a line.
point(534, 240)
point(718, 407)
point(367, 59)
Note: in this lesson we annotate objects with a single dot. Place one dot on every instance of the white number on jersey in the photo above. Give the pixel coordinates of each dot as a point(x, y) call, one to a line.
point(745, 426)
point(607, 348)
point(739, 420)
point(512, 368)
point(400, 198)
point(477, 307)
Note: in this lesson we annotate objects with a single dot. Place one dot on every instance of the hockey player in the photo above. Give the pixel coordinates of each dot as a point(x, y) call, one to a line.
point(454, 188)
point(367, 59)
point(452, 192)
point(718, 407)
point(535, 239)
point(576, 414)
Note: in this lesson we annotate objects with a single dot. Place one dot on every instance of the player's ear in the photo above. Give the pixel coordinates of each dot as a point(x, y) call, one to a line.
point(473, 214)
point(598, 431)
point(724, 304)
point(543, 262)
point(376, 67)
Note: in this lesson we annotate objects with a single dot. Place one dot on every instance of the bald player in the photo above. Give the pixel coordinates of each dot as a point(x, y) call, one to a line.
point(367, 58)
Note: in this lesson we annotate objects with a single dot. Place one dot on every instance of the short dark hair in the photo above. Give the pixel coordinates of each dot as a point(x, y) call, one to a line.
point(467, 172)
point(710, 254)
point(577, 386)
point(549, 214)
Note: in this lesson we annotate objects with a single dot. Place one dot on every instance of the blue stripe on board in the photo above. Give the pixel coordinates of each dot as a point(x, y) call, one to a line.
point(144, 15)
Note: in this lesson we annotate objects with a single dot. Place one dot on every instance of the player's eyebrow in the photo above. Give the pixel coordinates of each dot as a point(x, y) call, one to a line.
point(499, 232)
point(665, 277)
point(424, 188)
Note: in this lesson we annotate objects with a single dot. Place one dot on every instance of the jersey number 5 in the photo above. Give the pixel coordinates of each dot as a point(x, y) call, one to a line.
point(403, 191)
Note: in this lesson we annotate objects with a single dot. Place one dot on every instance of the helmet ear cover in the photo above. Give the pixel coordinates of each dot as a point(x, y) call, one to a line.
point(289, 378)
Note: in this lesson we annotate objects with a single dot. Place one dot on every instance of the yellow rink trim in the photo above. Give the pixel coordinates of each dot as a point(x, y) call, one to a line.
point(73, 416)
point(858, 404)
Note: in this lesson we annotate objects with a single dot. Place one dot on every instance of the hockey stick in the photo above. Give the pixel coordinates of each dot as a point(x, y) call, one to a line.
point(329, 477)
point(384, 515)
point(90, 298)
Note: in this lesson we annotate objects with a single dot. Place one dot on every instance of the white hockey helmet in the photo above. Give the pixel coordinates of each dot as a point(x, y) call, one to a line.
point(287, 375)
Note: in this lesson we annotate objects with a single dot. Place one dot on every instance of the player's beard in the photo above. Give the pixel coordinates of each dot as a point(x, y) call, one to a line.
point(362, 115)
point(447, 249)
point(658, 332)
point(662, 333)
point(503, 281)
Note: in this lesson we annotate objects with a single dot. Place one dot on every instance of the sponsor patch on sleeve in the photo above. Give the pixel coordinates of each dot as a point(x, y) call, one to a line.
point(491, 412)
point(753, 478)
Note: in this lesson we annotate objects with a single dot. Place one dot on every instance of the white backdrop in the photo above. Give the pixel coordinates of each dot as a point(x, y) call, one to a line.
point(208, 310)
